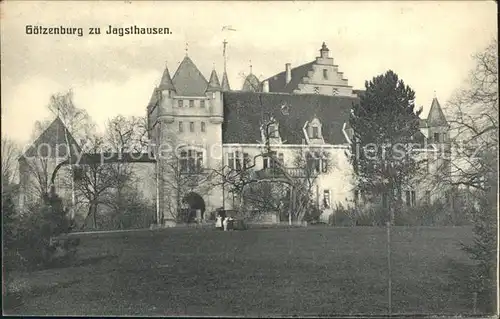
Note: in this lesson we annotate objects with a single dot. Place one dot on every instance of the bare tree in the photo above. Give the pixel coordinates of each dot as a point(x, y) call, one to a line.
point(123, 135)
point(94, 179)
point(475, 124)
point(37, 170)
point(10, 154)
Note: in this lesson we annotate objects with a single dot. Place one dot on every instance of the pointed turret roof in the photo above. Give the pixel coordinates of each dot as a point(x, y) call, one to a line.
point(225, 83)
point(213, 84)
point(188, 80)
point(166, 81)
point(436, 116)
point(251, 84)
point(54, 137)
point(154, 98)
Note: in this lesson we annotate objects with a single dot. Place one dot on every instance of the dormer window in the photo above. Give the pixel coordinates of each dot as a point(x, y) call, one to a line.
point(273, 131)
point(436, 138)
point(315, 132)
point(314, 129)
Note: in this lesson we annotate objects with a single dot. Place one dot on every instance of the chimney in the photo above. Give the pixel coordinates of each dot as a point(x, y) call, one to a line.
point(265, 86)
point(288, 68)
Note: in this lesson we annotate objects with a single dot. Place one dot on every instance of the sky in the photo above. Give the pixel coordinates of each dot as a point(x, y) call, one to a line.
point(428, 44)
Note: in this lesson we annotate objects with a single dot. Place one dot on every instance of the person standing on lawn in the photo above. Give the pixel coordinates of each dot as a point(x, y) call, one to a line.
point(225, 222)
point(218, 222)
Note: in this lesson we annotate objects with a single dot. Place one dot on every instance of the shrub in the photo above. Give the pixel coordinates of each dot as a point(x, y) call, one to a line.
point(342, 216)
point(313, 214)
point(483, 251)
point(9, 221)
point(36, 230)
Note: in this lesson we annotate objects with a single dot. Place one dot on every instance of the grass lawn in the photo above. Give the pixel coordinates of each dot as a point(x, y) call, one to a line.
point(258, 272)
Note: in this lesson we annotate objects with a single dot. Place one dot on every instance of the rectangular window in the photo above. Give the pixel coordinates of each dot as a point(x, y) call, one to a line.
point(181, 127)
point(326, 198)
point(428, 197)
point(269, 162)
point(325, 74)
point(203, 127)
point(246, 160)
point(413, 198)
point(408, 198)
point(202, 103)
point(180, 103)
point(199, 161)
point(436, 138)
point(230, 160)
point(191, 126)
point(313, 162)
point(238, 160)
point(183, 162)
point(191, 161)
point(324, 163)
point(191, 103)
point(315, 132)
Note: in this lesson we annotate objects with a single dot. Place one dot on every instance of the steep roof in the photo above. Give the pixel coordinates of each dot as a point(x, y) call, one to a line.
point(188, 80)
point(243, 112)
point(166, 81)
point(225, 82)
point(436, 116)
point(251, 84)
point(53, 136)
point(277, 82)
point(214, 84)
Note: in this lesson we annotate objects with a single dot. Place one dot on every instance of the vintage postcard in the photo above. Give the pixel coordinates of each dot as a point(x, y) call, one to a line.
point(248, 158)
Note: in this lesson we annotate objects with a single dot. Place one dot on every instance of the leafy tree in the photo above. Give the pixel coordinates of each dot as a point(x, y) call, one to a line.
point(385, 126)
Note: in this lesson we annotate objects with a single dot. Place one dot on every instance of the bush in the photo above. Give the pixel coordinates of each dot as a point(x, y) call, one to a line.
point(435, 214)
point(483, 251)
point(9, 221)
point(35, 233)
point(313, 214)
point(342, 216)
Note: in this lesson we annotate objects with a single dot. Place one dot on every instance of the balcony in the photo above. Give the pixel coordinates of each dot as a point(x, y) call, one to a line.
point(277, 173)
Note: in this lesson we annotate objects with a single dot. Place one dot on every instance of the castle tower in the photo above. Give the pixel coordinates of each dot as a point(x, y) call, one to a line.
point(185, 116)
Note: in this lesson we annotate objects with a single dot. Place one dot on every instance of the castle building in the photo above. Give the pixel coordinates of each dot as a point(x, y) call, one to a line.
point(214, 128)
point(200, 128)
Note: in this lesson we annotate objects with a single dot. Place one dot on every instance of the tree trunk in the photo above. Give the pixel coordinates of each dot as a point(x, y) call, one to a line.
point(94, 215)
